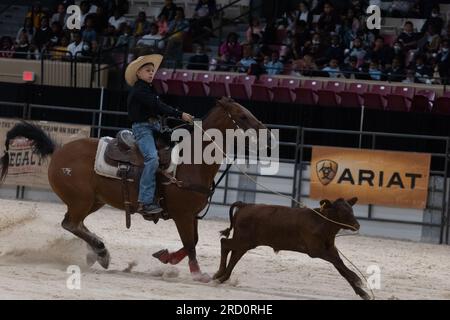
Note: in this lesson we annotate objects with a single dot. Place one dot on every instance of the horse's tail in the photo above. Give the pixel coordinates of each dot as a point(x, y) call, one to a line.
point(226, 232)
point(43, 145)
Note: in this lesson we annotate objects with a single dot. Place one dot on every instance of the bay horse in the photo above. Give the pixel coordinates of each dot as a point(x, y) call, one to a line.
point(84, 191)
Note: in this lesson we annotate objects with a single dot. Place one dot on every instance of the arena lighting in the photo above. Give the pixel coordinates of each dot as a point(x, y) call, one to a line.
point(28, 76)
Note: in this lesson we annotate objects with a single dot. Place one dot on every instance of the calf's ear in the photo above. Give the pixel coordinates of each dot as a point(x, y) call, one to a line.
point(352, 201)
point(325, 204)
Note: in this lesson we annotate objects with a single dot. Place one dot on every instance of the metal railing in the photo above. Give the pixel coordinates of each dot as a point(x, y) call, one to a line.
point(300, 146)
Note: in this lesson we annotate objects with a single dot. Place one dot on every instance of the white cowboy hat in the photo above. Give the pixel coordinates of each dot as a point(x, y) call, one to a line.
point(133, 67)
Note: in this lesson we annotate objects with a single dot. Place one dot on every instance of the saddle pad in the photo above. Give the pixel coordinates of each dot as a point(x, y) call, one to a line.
point(103, 169)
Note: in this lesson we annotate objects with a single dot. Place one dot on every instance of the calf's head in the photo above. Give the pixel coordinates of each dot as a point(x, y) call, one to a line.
point(341, 211)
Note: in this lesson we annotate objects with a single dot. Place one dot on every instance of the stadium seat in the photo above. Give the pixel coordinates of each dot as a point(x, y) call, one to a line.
point(307, 94)
point(352, 97)
point(442, 104)
point(268, 81)
point(261, 92)
point(159, 82)
point(329, 96)
point(219, 86)
point(376, 98)
point(284, 93)
point(335, 86)
point(423, 101)
point(177, 85)
point(241, 87)
point(199, 86)
point(400, 99)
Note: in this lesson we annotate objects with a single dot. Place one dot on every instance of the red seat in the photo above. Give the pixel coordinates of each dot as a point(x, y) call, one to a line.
point(312, 84)
point(284, 93)
point(177, 85)
point(241, 87)
point(376, 98)
point(407, 92)
point(335, 86)
point(442, 105)
point(268, 81)
point(199, 86)
point(159, 82)
point(219, 86)
point(423, 101)
point(328, 98)
point(261, 93)
point(305, 96)
point(352, 97)
point(397, 102)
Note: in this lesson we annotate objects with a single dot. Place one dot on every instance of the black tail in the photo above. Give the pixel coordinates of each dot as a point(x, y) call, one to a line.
point(226, 232)
point(43, 145)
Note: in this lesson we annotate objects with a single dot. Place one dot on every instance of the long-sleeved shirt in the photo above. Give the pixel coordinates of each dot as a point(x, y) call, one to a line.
point(143, 103)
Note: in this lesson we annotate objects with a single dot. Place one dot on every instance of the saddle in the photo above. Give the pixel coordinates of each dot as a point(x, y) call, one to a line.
point(123, 153)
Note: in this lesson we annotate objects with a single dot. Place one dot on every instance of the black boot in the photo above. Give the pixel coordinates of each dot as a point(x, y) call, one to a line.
point(150, 211)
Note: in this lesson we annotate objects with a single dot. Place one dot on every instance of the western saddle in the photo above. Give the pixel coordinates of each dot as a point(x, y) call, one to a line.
point(123, 153)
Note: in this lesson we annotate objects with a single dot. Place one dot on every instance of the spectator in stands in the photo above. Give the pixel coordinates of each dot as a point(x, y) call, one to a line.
point(431, 40)
point(232, 48)
point(169, 10)
point(257, 69)
point(28, 28)
point(374, 70)
point(443, 61)
point(222, 63)
point(60, 16)
point(22, 47)
point(100, 20)
point(422, 72)
point(435, 20)
point(84, 8)
point(199, 61)
point(88, 32)
point(381, 53)
point(117, 19)
point(408, 37)
point(43, 35)
point(78, 47)
point(410, 78)
point(254, 28)
point(109, 38)
point(357, 51)
point(329, 20)
point(152, 39)
point(7, 47)
point(163, 25)
point(177, 28)
point(335, 50)
point(333, 69)
point(56, 34)
point(350, 70)
point(350, 27)
point(398, 48)
point(396, 72)
point(60, 50)
point(203, 13)
point(316, 49)
point(274, 66)
point(36, 14)
point(304, 14)
point(141, 26)
point(125, 36)
point(247, 59)
point(305, 67)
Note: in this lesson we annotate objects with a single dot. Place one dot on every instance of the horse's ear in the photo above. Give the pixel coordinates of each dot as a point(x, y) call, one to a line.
point(325, 204)
point(352, 201)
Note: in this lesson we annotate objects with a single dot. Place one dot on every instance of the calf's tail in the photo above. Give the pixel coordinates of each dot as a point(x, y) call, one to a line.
point(226, 232)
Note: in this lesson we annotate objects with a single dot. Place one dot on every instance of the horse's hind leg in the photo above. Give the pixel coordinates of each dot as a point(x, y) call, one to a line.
point(73, 222)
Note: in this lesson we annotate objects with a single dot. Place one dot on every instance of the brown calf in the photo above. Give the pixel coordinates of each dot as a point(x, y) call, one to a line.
point(293, 229)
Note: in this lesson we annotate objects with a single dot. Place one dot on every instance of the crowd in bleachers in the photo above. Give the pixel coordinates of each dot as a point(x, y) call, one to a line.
point(317, 38)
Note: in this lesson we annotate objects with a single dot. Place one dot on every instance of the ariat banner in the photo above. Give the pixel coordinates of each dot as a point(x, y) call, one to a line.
point(388, 178)
point(25, 167)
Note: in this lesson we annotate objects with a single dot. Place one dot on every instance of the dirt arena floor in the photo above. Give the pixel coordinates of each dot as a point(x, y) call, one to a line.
point(35, 253)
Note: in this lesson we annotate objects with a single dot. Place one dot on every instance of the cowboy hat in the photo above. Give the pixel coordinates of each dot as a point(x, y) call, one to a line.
point(133, 67)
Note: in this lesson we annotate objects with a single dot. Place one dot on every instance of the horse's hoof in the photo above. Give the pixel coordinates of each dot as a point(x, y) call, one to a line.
point(162, 255)
point(104, 259)
point(217, 275)
point(201, 277)
point(91, 258)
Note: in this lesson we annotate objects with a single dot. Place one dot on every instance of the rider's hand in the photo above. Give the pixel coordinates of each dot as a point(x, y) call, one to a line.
point(187, 117)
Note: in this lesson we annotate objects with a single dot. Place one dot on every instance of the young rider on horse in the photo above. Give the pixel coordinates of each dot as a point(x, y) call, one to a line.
point(144, 106)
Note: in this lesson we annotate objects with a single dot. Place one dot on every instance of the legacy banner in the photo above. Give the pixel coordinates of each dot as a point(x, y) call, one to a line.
point(388, 178)
point(25, 167)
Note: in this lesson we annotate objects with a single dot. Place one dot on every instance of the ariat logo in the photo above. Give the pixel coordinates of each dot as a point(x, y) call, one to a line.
point(326, 171)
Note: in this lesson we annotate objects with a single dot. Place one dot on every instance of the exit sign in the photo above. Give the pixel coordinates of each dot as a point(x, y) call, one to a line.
point(28, 76)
